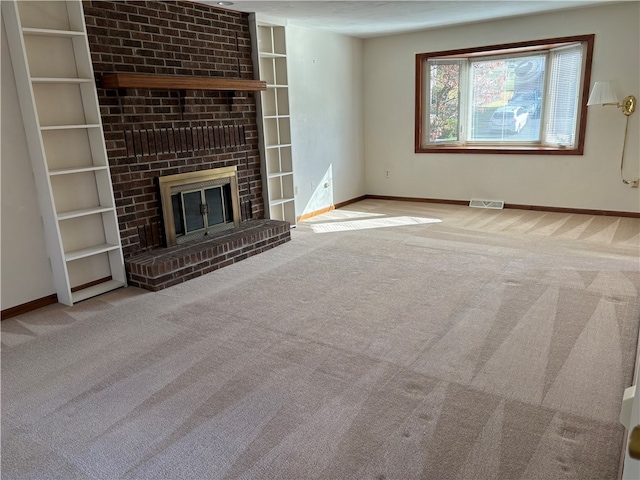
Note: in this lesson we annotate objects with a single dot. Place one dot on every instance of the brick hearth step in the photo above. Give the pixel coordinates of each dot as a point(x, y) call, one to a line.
point(163, 267)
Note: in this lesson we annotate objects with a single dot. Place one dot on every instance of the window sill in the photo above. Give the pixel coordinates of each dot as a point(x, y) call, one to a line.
point(520, 150)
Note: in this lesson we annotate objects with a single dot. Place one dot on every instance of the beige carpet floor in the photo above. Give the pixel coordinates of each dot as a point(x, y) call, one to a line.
point(387, 340)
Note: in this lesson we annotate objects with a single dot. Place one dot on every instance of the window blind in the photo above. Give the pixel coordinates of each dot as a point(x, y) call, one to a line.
point(563, 96)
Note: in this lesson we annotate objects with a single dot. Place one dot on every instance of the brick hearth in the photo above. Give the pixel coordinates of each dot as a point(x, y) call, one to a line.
point(161, 268)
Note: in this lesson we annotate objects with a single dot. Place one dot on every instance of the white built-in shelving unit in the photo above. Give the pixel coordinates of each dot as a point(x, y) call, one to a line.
point(270, 58)
point(61, 115)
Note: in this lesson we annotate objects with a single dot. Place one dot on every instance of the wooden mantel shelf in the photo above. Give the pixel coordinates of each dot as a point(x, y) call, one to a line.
point(180, 82)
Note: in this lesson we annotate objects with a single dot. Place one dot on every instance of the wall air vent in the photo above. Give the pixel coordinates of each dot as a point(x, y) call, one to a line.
point(498, 204)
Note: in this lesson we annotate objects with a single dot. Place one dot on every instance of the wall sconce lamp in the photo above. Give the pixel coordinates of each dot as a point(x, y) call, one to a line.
point(604, 94)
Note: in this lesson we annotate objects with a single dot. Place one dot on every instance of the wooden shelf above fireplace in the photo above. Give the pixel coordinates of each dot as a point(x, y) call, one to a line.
point(180, 82)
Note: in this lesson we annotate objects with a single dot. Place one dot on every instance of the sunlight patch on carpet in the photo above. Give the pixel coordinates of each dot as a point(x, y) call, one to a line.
point(372, 223)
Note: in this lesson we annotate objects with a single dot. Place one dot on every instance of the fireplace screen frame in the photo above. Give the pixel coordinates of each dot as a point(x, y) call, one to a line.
point(172, 184)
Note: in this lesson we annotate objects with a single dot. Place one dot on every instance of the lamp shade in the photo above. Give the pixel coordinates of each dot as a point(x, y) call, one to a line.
point(602, 93)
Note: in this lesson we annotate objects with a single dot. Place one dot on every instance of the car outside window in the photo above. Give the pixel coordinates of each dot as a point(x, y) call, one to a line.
point(526, 98)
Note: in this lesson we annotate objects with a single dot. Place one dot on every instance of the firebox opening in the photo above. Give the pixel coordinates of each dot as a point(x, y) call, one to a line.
point(198, 203)
point(202, 210)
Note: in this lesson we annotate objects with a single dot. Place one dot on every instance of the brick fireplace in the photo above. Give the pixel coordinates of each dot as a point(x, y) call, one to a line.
point(152, 133)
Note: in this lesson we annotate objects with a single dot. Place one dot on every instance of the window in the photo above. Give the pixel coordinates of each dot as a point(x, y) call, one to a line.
point(518, 98)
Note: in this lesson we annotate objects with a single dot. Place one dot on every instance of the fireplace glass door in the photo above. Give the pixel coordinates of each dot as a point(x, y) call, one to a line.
point(202, 210)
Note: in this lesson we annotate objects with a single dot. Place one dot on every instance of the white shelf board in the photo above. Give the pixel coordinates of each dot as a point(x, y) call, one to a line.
point(71, 171)
point(83, 213)
point(48, 32)
point(272, 55)
point(276, 116)
point(69, 127)
point(280, 201)
point(279, 145)
point(96, 290)
point(279, 174)
point(88, 252)
point(60, 80)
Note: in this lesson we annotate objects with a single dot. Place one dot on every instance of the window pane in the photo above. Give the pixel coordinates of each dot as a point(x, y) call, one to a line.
point(564, 88)
point(195, 220)
point(178, 219)
point(444, 101)
point(213, 197)
point(506, 99)
point(228, 205)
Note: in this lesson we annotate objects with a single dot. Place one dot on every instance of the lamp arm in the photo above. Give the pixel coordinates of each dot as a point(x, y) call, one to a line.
point(628, 105)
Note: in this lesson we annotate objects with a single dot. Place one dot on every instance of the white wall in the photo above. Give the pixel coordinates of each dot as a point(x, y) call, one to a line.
point(590, 181)
point(326, 101)
point(26, 272)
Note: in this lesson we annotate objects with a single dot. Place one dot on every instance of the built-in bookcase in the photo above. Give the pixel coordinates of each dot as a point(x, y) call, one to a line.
point(275, 127)
point(59, 103)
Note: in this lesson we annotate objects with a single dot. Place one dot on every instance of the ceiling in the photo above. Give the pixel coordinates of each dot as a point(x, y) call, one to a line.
point(361, 18)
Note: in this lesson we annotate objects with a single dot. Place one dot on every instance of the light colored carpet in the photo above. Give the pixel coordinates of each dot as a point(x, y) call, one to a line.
point(387, 340)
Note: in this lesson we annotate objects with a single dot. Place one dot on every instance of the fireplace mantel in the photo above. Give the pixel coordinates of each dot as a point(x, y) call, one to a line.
point(180, 82)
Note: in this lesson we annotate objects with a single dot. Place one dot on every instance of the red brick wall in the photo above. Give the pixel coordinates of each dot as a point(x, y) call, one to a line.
point(151, 133)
